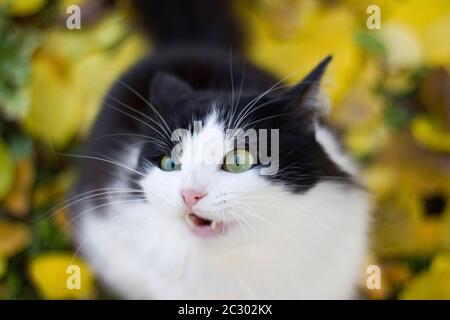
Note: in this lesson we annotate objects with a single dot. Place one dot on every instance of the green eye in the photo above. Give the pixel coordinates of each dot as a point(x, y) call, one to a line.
point(238, 161)
point(168, 164)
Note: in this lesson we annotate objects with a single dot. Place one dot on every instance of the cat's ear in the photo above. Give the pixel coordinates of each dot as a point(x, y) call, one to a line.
point(166, 89)
point(304, 95)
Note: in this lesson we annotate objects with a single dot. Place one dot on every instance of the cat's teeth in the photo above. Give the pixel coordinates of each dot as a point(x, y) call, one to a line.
point(189, 221)
point(213, 225)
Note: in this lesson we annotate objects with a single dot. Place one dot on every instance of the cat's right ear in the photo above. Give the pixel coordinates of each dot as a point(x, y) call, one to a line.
point(167, 89)
point(304, 95)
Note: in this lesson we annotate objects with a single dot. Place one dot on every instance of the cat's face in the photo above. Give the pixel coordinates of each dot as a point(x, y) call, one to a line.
point(230, 168)
point(212, 190)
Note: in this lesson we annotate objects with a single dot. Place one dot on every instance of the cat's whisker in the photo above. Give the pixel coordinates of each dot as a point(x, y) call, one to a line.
point(89, 195)
point(269, 117)
point(255, 100)
point(235, 106)
point(260, 106)
point(147, 103)
point(231, 73)
point(164, 130)
point(259, 217)
point(100, 190)
point(124, 135)
point(135, 118)
point(146, 139)
point(239, 222)
point(112, 203)
point(238, 195)
point(240, 217)
point(161, 144)
point(67, 203)
point(83, 242)
point(153, 141)
point(260, 202)
point(262, 95)
point(104, 160)
point(251, 110)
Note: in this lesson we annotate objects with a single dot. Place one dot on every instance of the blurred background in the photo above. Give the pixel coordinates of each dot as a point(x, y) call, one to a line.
point(390, 94)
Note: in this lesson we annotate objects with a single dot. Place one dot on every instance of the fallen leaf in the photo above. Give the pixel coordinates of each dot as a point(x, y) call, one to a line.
point(429, 135)
point(14, 237)
point(51, 274)
point(24, 7)
point(431, 284)
point(55, 113)
point(17, 202)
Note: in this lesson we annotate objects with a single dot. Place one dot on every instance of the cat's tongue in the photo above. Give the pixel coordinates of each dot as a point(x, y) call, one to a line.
point(203, 227)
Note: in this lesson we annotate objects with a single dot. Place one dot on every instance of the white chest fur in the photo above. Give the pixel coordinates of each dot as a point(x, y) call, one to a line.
point(308, 253)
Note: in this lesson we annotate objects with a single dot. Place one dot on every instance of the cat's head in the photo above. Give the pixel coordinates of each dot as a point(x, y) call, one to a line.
point(230, 165)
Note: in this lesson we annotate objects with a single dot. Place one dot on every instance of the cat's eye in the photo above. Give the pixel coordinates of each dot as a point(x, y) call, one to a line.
point(238, 161)
point(168, 164)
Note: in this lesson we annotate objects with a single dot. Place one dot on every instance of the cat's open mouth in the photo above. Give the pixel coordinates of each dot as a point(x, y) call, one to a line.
point(204, 227)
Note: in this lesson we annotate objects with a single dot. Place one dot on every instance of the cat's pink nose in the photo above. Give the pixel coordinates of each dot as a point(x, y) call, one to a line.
point(191, 197)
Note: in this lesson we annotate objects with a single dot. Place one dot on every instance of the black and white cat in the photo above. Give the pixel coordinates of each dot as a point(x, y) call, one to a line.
point(196, 215)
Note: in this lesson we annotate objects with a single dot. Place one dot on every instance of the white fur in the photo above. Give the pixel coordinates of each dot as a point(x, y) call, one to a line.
point(334, 150)
point(285, 246)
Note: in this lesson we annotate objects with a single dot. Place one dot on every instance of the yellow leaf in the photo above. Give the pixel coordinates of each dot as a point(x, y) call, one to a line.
point(70, 76)
point(63, 4)
point(430, 136)
point(311, 41)
point(53, 191)
point(380, 180)
point(431, 284)
point(61, 218)
point(18, 200)
point(91, 93)
point(24, 7)
point(53, 273)
point(6, 170)
point(360, 107)
point(429, 23)
point(14, 237)
point(55, 114)
point(363, 141)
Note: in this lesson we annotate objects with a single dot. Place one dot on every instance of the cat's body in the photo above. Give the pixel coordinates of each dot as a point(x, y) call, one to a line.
point(202, 231)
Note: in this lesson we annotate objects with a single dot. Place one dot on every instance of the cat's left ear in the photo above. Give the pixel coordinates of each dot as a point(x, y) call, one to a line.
point(304, 95)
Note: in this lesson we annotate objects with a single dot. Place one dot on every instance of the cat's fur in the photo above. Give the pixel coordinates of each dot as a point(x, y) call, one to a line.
point(299, 233)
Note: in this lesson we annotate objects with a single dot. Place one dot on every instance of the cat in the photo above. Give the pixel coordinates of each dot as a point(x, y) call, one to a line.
point(196, 215)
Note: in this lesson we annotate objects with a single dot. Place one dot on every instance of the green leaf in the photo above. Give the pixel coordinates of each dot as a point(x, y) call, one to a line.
point(370, 43)
point(21, 146)
point(396, 117)
point(17, 45)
